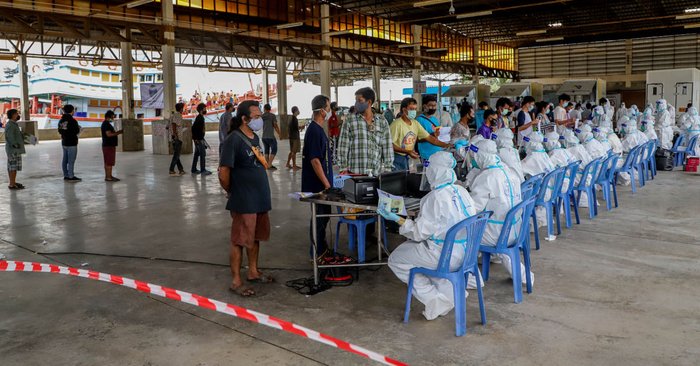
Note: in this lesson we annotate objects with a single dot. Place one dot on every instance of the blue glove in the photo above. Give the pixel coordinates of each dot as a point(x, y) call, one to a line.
point(388, 215)
point(460, 143)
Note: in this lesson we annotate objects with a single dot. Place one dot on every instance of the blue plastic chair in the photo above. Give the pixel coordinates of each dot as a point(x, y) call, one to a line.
point(651, 161)
point(587, 184)
point(357, 230)
point(552, 182)
point(474, 226)
point(628, 167)
point(690, 149)
point(606, 180)
point(566, 197)
point(520, 213)
point(531, 186)
point(678, 151)
point(640, 163)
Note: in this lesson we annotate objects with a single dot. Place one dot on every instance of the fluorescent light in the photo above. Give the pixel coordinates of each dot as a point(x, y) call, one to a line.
point(687, 16)
point(136, 3)
point(475, 14)
point(555, 24)
point(695, 25)
point(290, 25)
point(436, 50)
point(532, 32)
point(550, 39)
point(429, 2)
point(692, 10)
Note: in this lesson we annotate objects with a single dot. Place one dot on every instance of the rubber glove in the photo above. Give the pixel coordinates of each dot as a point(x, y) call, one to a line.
point(388, 215)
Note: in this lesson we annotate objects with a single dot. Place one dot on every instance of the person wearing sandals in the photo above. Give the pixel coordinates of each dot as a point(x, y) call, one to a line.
point(14, 147)
point(242, 174)
point(110, 140)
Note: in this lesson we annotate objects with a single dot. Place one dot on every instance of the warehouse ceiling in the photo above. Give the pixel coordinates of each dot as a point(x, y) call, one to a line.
point(527, 23)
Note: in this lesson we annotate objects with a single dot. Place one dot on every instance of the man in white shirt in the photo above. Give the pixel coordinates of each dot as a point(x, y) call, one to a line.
point(561, 118)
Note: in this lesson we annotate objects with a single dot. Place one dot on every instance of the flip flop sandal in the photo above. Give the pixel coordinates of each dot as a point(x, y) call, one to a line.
point(20, 186)
point(263, 279)
point(243, 291)
point(13, 188)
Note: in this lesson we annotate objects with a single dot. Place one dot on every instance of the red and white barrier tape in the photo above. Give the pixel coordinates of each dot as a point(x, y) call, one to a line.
point(200, 301)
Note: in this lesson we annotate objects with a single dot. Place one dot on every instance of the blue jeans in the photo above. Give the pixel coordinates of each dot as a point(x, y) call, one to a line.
point(270, 146)
point(200, 153)
point(70, 153)
point(400, 162)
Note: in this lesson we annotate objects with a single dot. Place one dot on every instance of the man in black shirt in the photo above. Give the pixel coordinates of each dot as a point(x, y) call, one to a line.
point(69, 129)
point(200, 145)
point(110, 140)
point(317, 166)
point(294, 140)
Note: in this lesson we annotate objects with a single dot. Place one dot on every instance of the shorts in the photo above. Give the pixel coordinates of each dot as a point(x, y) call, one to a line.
point(109, 154)
point(14, 162)
point(270, 145)
point(294, 145)
point(246, 229)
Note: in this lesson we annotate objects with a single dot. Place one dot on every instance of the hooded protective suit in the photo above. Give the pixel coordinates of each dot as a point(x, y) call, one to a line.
point(509, 155)
point(580, 153)
point(601, 134)
point(600, 119)
point(473, 170)
point(633, 137)
point(537, 161)
point(687, 120)
point(560, 157)
point(609, 111)
point(594, 147)
point(622, 111)
point(693, 131)
point(495, 190)
point(633, 112)
point(446, 205)
point(672, 113)
point(648, 123)
point(664, 124)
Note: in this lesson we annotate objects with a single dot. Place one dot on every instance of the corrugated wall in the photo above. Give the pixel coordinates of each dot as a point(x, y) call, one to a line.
point(609, 58)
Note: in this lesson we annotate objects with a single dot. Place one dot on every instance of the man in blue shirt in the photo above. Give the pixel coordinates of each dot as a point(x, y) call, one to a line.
point(431, 124)
point(479, 116)
point(317, 166)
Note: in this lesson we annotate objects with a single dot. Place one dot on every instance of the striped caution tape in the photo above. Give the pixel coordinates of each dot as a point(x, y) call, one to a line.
point(200, 301)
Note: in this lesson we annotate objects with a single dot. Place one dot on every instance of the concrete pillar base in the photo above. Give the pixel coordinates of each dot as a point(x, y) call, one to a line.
point(161, 140)
point(132, 139)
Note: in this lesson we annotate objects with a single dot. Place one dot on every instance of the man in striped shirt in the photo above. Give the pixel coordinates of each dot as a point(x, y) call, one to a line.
point(365, 141)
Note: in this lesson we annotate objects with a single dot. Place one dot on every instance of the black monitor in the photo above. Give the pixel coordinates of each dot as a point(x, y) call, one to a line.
point(393, 183)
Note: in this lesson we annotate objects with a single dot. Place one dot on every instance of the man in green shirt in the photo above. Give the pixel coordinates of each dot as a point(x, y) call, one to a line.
point(406, 132)
point(14, 147)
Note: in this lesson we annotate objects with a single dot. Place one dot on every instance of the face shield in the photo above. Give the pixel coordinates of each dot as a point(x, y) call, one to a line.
point(486, 154)
point(571, 139)
point(661, 106)
point(552, 142)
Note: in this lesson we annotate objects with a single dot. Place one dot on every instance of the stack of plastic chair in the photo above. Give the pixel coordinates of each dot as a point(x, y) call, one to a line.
point(551, 183)
point(474, 227)
point(587, 185)
point(519, 214)
point(628, 167)
point(567, 196)
point(606, 180)
point(678, 151)
point(357, 230)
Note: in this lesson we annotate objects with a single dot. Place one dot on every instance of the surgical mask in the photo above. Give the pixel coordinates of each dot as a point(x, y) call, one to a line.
point(328, 116)
point(566, 104)
point(506, 111)
point(412, 114)
point(256, 124)
point(361, 107)
point(532, 108)
point(431, 111)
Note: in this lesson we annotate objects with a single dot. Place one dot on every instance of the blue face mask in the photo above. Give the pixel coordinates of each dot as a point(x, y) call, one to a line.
point(256, 124)
point(412, 114)
point(361, 107)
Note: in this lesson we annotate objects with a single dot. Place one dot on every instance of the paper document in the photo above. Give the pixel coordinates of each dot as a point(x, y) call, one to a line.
point(391, 203)
point(445, 134)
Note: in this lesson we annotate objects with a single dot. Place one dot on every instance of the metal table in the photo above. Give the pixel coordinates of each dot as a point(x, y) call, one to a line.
point(323, 199)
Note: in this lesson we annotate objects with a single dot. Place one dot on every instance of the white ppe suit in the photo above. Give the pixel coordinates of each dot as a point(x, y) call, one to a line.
point(601, 134)
point(495, 190)
point(473, 170)
point(664, 124)
point(509, 155)
point(446, 205)
point(594, 147)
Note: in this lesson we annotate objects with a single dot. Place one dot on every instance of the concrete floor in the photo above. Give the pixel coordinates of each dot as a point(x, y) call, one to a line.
point(621, 289)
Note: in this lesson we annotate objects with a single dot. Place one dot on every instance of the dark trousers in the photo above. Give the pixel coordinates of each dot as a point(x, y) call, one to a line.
point(200, 153)
point(177, 148)
point(321, 225)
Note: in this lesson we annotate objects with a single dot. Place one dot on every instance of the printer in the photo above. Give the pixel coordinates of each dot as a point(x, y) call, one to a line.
point(361, 189)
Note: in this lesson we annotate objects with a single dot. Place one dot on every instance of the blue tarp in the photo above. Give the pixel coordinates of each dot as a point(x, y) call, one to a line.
point(431, 90)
